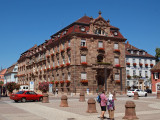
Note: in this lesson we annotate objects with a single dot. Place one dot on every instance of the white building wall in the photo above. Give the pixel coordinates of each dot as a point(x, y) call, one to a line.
point(131, 68)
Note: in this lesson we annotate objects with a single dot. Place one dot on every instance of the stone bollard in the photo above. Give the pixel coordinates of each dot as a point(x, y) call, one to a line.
point(114, 95)
point(91, 106)
point(130, 113)
point(82, 96)
point(135, 96)
point(158, 94)
point(64, 102)
point(45, 98)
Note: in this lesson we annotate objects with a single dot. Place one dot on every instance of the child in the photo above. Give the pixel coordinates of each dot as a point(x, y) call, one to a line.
point(110, 106)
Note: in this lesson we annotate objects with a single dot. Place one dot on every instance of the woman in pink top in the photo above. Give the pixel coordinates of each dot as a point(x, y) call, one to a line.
point(103, 103)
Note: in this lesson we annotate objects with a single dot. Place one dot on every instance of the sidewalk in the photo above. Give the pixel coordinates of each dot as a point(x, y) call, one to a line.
point(147, 108)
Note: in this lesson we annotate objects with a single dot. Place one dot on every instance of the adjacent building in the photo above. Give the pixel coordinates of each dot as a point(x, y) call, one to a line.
point(87, 54)
point(11, 74)
point(2, 72)
point(155, 76)
point(138, 65)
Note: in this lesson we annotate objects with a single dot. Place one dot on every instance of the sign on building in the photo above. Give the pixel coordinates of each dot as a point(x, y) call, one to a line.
point(32, 85)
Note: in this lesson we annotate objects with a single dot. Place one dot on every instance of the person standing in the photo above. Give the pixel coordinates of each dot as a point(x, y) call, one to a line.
point(110, 106)
point(103, 103)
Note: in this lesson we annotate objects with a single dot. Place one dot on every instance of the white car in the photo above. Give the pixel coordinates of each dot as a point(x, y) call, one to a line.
point(140, 93)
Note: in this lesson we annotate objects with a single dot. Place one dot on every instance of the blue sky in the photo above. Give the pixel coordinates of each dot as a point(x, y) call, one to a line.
point(24, 23)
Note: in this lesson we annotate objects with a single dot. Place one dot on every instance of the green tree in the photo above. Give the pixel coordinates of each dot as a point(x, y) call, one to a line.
point(157, 54)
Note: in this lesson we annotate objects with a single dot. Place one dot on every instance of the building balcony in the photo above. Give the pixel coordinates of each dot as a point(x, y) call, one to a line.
point(140, 64)
point(118, 65)
point(146, 65)
point(68, 48)
point(151, 65)
point(101, 50)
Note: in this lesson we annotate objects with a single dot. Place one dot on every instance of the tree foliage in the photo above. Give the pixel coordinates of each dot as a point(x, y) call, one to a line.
point(157, 54)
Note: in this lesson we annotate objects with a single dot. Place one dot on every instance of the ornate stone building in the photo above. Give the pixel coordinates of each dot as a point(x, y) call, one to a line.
point(89, 53)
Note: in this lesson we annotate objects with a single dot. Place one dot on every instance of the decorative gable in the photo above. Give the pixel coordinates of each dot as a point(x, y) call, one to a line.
point(100, 26)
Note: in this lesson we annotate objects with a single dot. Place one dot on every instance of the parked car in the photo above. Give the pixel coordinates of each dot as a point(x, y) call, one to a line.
point(148, 90)
point(140, 93)
point(24, 96)
point(24, 88)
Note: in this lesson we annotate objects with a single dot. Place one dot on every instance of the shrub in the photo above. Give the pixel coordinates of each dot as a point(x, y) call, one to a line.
point(11, 86)
point(1, 83)
point(44, 87)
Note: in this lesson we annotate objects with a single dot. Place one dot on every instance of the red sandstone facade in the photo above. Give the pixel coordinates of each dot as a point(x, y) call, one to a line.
point(155, 77)
point(89, 53)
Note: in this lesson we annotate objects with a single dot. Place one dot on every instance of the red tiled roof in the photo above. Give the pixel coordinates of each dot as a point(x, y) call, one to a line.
point(84, 19)
point(129, 46)
point(156, 67)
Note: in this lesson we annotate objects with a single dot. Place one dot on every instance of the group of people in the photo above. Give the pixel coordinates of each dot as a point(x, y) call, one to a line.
point(107, 103)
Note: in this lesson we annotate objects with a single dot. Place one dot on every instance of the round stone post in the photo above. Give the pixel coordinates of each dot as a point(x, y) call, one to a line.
point(130, 113)
point(82, 96)
point(64, 102)
point(158, 94)
point(45, 98)
point(135, 96)
point(91, 106)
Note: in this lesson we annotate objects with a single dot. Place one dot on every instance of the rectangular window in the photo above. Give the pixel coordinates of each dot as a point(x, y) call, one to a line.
point(134, 61)
point(83, 58)
point(140, 73)
point(116, 61)
point(83, 42)
point(69, 58)
point(156, 76)
point(146, 74)
point(115, 46)
point(127, 72)
point(63, 46)
point(53, 77)
point(117, 76)
point(145, 61)
point(69, 76)
point(53, 63)
point(100, 44)
point(127, 83)
point(58, 77)
point(150, 61)
point(140, 60)
point(131, 51)
point(127, 60)
point(134, 72)
point(62, 76)
point(63, 59)
point(58, 61)
point(83, 76)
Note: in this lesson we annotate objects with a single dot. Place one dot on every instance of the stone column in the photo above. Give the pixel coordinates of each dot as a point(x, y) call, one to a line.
point(130, 113)
point(45, 98)
point(135, 96)
point(158, 94)
point(82, 96)
point(91, 106)
point(64, 102)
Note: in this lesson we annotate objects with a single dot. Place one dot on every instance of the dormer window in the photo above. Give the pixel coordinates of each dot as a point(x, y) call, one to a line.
point(83, 29)
point(143, 53)
point(115, 33)
point(99, 32)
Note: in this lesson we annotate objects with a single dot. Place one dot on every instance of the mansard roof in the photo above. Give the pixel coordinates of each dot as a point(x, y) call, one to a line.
point(129, 47)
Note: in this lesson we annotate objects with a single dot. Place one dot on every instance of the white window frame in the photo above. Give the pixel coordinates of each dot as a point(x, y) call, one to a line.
point(116, 46)
point(100, 44)
point(83, 58)
point(69, 76)
point(116, 60)
point(117, 76)
point(83, 42)
point(83, 76)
